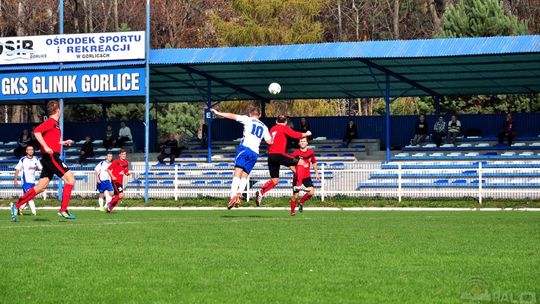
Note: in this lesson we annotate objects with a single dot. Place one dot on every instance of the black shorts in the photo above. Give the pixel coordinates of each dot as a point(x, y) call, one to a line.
point(118, 188)
point(52, 165)
point(306, 182)
point(275, 161)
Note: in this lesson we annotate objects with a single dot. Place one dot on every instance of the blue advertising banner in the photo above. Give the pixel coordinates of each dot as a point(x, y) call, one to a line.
point(73, 84)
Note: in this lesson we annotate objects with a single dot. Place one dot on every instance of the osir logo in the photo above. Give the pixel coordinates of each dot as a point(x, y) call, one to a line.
point(16, 47)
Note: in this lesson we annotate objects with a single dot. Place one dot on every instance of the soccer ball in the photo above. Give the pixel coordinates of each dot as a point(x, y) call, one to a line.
point(274, 88)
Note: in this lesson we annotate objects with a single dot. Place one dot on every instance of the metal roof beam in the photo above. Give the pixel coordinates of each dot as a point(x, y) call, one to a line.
point(398, 76)
point(223, 82)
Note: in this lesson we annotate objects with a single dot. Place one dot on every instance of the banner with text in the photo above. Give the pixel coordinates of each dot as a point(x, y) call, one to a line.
point(73, 84)
point(72, 48)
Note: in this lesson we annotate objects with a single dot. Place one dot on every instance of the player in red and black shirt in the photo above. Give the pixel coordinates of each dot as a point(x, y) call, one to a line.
point(277, 155)
point(118, 168)
point(308, 156)
point(49, 136)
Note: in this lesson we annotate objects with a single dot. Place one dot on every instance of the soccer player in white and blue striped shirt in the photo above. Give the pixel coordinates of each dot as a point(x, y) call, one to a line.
point(28, 165)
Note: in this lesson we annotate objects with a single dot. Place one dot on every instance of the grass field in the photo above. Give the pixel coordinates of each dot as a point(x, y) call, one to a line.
point(257, 256)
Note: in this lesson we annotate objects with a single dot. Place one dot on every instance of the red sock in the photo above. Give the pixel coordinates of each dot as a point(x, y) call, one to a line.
point(30, 194)
point(293, 205)
point(113, 202)
point(66, 196)
point(300, 175)
point(267, 187)
point(305, 198)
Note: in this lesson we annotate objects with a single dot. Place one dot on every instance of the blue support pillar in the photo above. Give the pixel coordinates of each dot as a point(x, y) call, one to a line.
point(147, 105)
point(61, 100)
point(387, 129)
point(208, 117)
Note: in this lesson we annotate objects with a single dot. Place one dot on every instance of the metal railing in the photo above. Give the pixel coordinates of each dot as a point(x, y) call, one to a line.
point(352, 180)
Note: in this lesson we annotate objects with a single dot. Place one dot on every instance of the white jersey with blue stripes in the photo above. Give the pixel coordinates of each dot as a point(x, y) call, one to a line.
point(101, 169)
point(28, 167)
point(254, 131)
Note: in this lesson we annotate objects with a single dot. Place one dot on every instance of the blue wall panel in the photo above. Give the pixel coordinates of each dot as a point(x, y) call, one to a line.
point(402, 127)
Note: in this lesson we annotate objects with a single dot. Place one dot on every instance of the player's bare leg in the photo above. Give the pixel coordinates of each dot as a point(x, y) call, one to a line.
point(30, 194)
point(235, 187)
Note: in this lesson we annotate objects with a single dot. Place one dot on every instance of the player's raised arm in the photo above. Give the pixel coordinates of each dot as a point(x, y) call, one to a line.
point(222, 114)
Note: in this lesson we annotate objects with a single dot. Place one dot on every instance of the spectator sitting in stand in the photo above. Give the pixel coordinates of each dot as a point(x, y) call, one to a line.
point(507, 130)
point(34, 142)
point(304, 126)
point(421, 131)
point(109, 138)
point(351, 132)
point(292, 143)
point(87, 150)
point(169, 149)
point(439, 131)
point(204, 135)
point(124, 135)
point(454, 129)
point(24, 140)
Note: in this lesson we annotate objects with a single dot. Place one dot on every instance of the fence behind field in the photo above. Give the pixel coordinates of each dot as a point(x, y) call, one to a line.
point(478, 180)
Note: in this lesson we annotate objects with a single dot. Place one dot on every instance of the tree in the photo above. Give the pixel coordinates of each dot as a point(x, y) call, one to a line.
point(481, 18)
point(271, 22)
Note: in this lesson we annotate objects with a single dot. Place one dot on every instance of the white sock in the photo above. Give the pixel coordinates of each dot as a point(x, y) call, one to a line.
point(243, 184)
point(108, 197)
point(23, 206)
point(100, 200)
point(32, 206)
point(234, 186)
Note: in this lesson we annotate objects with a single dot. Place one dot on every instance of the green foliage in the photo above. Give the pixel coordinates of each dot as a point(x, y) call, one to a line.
point(178, 118)
point(126, 112)
point(481, 18)
point(82, 112)
point(406, 106)
point(492, 104)
point(271, 22)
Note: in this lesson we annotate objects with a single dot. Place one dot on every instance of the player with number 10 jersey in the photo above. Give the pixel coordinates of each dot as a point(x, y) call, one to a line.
point(248, 150)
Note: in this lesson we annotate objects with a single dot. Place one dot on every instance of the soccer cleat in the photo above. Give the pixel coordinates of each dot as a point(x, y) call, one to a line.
point(258, 198)
point(301, 208)
point(14, 211)
point(66, 215)
point(300, 188)
point(238, 202)
point(232, 202)
point(107, 208)
point(292, 214)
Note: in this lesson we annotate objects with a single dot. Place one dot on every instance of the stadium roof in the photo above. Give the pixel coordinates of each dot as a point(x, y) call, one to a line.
point(495, 65)
point(434, 67)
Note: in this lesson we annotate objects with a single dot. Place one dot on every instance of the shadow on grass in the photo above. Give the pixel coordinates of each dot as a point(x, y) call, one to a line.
point(41, 220)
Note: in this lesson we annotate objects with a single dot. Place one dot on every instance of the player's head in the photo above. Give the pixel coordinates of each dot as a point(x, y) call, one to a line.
point(109, 157)
point(122, 155)
point(302, 143)
point(282, 120)
point(253, 111)
point(29, 150)
point(53, 107)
